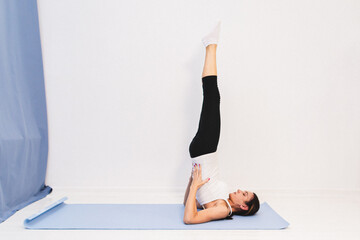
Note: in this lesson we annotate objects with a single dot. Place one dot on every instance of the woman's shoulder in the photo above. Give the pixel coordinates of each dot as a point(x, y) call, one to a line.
point(221, 208)
point(219, 203)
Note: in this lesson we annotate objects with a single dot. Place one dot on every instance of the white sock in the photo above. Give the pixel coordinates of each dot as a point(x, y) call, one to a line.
point(213, 36)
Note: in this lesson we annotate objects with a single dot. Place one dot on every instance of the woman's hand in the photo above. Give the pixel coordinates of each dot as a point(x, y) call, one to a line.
point(197, 181)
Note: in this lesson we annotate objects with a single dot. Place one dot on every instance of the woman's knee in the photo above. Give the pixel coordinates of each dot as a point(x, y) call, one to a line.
point(200, 147)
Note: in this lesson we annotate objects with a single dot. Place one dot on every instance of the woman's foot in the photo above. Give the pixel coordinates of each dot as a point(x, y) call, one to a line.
point(213, 36)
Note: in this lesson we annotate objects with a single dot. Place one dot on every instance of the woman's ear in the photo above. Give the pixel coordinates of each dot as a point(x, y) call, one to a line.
point(244, 207)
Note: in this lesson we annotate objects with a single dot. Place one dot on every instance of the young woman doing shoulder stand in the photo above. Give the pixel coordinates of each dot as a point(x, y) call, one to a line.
point(211, 193)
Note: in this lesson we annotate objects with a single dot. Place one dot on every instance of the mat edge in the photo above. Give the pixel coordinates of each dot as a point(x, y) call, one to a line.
point(48, 208)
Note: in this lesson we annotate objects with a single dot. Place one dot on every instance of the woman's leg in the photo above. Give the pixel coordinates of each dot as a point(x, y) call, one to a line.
point(210, 61)
point(207, 137)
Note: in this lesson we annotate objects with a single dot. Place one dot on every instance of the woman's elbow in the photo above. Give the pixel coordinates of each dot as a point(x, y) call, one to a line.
point(187, 221)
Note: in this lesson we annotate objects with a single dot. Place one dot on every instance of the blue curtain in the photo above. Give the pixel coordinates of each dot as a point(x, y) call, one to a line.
point(23, 117)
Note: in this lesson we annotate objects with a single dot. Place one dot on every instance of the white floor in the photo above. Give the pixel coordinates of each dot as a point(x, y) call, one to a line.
point(312, 215)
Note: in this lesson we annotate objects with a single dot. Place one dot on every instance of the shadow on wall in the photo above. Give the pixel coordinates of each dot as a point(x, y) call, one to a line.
point(192, 109)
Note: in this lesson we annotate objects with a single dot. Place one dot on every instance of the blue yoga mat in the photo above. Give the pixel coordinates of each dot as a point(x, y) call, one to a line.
point(60, 215)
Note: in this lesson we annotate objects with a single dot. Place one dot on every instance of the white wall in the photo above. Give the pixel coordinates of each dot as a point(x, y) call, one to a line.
point(123, 82)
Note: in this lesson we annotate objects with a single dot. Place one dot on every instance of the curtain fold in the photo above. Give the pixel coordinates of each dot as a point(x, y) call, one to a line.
point(23, 116)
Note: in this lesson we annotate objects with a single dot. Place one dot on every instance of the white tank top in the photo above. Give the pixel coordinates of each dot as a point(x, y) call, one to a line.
point(215, 188)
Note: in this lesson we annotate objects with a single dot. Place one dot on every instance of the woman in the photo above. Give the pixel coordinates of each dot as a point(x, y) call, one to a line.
point(211, 194)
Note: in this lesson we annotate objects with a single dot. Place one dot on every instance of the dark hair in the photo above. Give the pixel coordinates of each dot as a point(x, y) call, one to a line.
point(253, 205)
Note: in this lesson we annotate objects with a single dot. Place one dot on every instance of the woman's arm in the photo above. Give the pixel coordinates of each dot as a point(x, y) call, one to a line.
point(190, 206)
point(187, 190)
point(209, 214)
point(187, 193)
point(191, 215)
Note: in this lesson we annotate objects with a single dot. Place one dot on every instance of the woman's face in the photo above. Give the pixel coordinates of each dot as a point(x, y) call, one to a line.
point(241, 197)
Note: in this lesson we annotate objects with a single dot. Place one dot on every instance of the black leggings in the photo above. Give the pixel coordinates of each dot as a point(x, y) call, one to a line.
point(207, 137)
